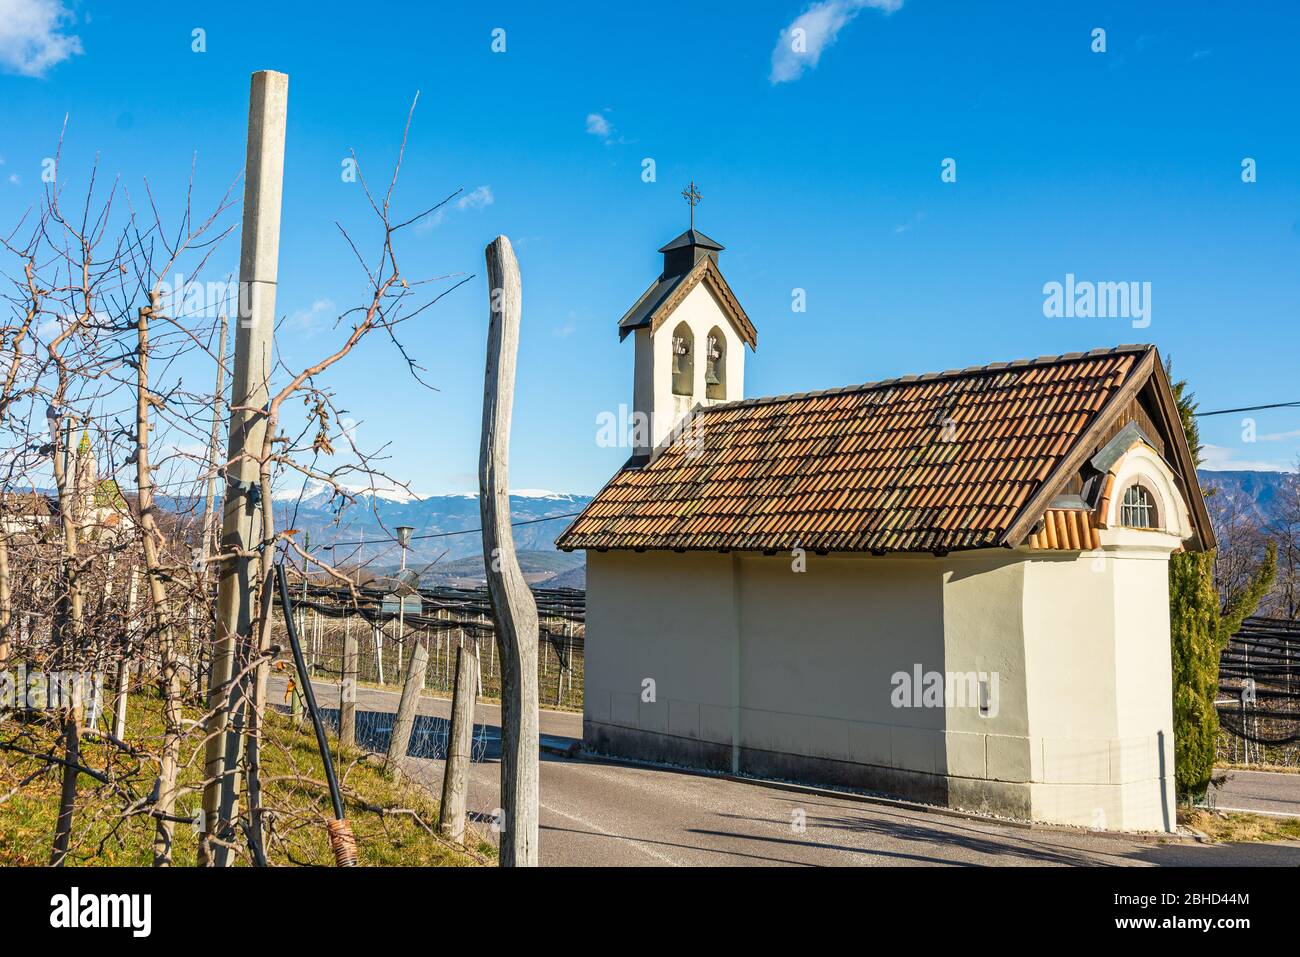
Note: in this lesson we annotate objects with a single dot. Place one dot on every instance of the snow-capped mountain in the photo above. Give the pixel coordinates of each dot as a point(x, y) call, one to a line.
point(320, 493)
point(445, 526)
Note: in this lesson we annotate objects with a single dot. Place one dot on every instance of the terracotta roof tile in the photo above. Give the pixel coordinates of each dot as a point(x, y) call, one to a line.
point(866, 468)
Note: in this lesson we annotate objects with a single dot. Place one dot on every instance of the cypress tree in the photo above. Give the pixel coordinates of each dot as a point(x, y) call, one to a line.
point(1199, 629)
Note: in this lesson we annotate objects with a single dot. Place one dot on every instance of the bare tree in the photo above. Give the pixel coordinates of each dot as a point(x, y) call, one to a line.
point(1284, 602)
point(113, 568)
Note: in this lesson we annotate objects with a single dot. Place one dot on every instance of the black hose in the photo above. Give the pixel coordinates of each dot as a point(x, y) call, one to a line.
point(286, 603)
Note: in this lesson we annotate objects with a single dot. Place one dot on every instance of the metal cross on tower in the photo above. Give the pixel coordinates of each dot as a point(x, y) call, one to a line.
point(692, 197)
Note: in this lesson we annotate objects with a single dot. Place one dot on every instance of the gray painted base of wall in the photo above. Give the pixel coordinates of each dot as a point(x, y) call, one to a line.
point(1001, 798)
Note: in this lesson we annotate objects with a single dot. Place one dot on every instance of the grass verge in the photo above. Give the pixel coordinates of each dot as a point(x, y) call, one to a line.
point(395, 823)
point(1240, 826)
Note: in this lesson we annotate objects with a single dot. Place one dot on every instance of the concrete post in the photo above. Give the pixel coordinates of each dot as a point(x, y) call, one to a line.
point(240, 528)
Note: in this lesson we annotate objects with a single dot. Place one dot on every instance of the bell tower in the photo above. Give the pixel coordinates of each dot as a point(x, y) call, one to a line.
point(690, 333)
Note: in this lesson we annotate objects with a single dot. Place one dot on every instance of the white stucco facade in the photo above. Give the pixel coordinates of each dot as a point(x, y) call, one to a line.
point(739, 662)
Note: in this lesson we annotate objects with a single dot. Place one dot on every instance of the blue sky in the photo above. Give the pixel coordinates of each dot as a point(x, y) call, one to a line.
point(820, 171)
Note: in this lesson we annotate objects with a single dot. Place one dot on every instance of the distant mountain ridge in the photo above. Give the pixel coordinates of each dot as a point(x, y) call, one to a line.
point(445, 544)
point(445, 526)
point(1259, 492)
point(447, 548)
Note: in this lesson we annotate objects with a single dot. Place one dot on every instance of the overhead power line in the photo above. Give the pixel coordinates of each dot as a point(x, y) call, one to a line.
point(1249, 408)
point(464, 531)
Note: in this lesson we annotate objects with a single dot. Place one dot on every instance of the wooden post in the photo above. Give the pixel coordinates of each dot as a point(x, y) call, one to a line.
point(214, 454)
point(68, 795)
point(401, 629)
point(460, 743)
point(406, 709)
point(250, 391)
point(295, 696)
point(348, 691)
point(96, 709)
point(151, 539)
point(204, 573)
point(513, 606)
point(315, 640)
point(6, 595)
point(559, 680)
point(478, 667)
point(124, 663)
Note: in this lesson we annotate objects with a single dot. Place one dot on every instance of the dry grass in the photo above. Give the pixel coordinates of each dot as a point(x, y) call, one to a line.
point(395, 824)
point(1238, 826)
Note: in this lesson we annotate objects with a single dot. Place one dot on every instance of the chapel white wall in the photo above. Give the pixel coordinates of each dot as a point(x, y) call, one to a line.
point(749, 657)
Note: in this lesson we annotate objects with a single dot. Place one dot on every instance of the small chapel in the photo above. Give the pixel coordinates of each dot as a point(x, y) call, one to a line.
point(949, 586)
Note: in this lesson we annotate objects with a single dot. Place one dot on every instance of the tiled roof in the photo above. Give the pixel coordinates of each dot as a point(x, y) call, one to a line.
point(29, 504)
point(936, 462)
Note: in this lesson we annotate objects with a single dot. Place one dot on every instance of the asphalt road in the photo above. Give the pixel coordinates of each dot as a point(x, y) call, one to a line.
point(604, 813)
point(596, 813)
point(1265, 792)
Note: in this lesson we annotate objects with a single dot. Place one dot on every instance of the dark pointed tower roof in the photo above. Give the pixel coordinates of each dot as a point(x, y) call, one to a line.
point(685, 266)
point(692, 237)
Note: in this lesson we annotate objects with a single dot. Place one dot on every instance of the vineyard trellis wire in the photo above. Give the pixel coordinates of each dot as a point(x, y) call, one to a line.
point(1259, 693)
point(447, 618)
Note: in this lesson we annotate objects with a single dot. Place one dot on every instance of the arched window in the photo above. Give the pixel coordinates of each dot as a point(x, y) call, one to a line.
point(683, 360)
point(1138, 509)
point(715, 369)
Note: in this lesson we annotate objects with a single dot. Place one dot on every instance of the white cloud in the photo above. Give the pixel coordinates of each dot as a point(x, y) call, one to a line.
point(426, 224)
point(15, 178)
point(800, 45)
point(597, 125)
point(476, 198)
point(1217, 458)
point(569, 328)
point(32, 38)
point(311, 318)
point(914, 221)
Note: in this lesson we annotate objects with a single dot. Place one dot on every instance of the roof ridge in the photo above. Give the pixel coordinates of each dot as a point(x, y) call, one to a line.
point(930, 377)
